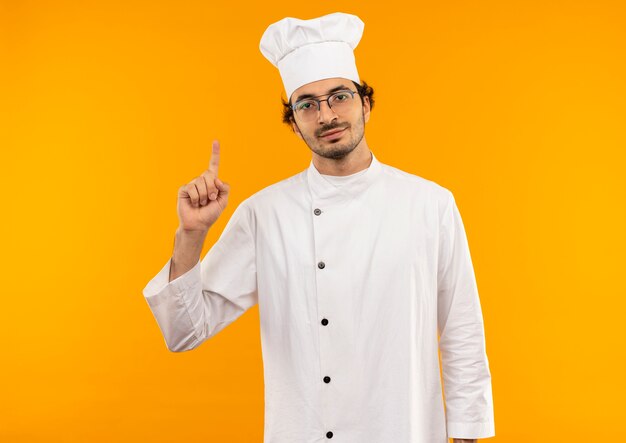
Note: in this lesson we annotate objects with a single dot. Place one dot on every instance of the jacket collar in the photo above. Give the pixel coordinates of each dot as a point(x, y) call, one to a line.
point(322, 190)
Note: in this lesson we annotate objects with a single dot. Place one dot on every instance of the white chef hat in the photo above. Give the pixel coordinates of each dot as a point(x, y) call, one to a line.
point(305, 51)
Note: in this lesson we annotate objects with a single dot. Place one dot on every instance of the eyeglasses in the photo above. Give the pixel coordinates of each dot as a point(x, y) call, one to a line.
point(308, 109)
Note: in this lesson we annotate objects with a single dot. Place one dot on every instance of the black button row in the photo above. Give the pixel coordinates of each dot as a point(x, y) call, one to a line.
point(322, 265)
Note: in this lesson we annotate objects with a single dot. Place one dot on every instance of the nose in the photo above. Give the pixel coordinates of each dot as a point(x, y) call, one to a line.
point(326, 112)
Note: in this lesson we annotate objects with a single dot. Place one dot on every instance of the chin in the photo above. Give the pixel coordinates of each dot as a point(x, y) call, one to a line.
point(336, 151)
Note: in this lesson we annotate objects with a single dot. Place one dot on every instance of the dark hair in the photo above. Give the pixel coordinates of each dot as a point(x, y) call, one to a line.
point(364, 90)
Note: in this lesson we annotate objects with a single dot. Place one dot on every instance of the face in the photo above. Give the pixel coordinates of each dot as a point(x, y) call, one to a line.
point(351, 121)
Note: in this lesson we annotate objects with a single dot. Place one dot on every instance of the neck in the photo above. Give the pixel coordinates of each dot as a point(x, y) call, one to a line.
point(360, 158)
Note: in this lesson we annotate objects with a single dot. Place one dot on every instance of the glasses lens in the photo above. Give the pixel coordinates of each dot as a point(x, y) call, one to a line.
point(306, 109)
point(341, 100)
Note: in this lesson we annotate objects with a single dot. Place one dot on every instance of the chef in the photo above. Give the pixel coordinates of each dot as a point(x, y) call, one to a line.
point(361, 271)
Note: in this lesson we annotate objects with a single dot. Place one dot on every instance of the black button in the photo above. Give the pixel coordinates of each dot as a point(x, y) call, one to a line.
point(324, 322)
point(329, 434)
point(327, 379)
point(317, 211)
point(321, 265)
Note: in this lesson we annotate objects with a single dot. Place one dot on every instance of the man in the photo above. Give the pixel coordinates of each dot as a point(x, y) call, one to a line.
point(361, 271)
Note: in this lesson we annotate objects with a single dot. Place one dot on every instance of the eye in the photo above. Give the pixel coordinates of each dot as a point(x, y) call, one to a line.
point(304, 106)
point(341, 96)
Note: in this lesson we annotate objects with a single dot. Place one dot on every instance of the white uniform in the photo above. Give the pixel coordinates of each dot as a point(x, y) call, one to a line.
point(355, 282)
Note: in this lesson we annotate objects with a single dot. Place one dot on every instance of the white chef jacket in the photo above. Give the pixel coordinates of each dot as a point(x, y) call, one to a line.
point(339, 180)
point(358, 287)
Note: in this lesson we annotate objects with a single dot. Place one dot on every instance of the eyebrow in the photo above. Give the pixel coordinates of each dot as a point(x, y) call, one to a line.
point(330, 91)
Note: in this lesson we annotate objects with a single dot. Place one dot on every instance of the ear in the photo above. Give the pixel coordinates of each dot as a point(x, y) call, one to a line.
point(366, 108)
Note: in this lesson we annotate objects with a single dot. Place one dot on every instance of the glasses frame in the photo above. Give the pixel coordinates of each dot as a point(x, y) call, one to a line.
point(319, 102)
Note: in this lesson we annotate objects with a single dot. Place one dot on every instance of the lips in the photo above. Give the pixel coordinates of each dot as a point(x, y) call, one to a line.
point(334, 131)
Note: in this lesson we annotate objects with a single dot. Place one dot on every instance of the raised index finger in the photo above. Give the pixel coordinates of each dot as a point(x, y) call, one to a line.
point(215, 157)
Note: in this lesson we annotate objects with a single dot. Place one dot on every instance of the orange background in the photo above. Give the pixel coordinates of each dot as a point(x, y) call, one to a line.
point(108, 107)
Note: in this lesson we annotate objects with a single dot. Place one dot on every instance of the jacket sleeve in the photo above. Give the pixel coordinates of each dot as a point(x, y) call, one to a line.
point(465, 367)
point(215, 292)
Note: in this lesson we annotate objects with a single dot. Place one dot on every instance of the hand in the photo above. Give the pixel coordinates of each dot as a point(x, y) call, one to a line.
point(202, 200)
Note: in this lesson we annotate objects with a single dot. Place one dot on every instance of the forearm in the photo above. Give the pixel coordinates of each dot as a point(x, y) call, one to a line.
point(187, 250)
point(464, 440)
